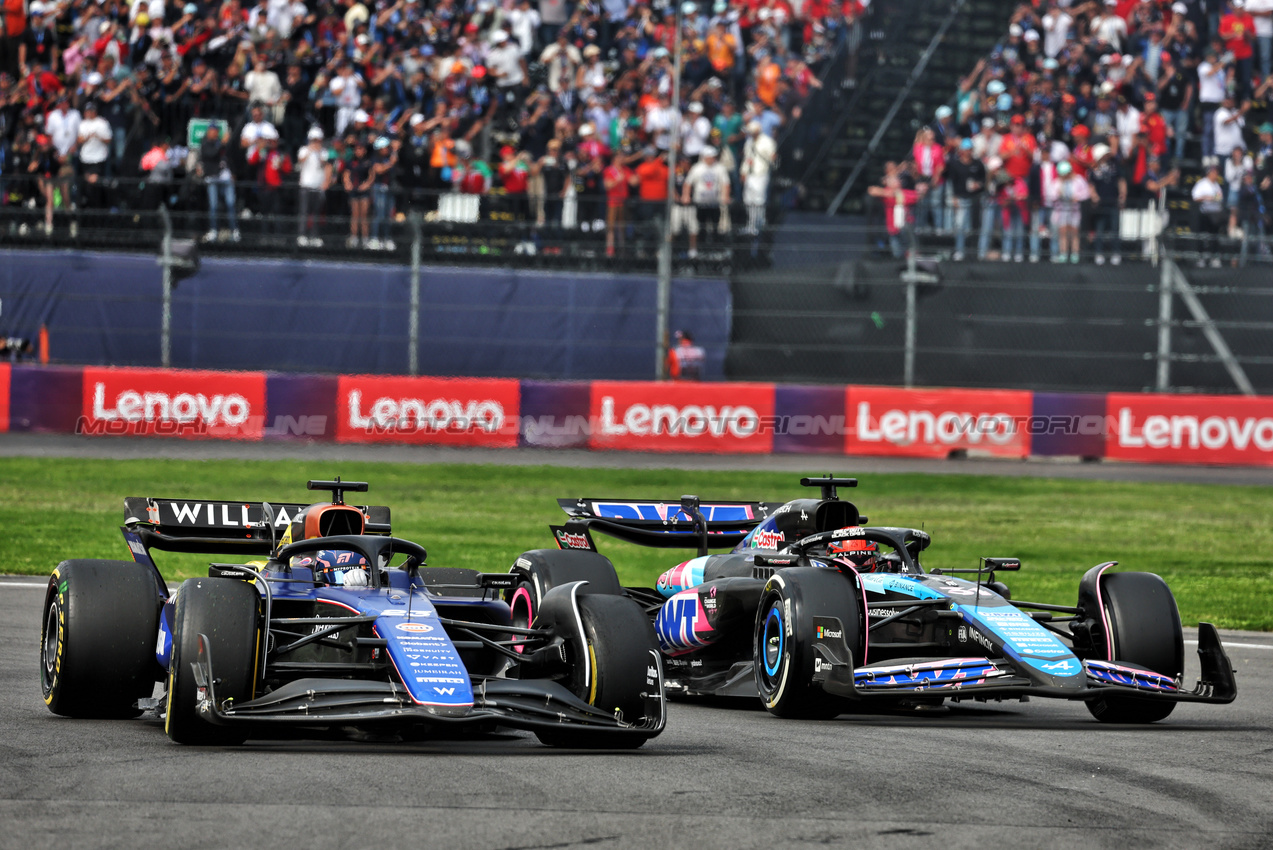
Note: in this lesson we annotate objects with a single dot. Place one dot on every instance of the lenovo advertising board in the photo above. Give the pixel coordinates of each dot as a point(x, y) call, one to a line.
point(438, 411)
point(682, 417)
point(173, 403)
point(934, 423)
point(1233, 430)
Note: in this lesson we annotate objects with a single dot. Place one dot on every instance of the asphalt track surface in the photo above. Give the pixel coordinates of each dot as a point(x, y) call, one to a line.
point(142, 448)
point(1042, 774)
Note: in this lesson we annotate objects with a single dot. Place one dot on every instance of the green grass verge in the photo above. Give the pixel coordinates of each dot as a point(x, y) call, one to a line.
point(1209, 542)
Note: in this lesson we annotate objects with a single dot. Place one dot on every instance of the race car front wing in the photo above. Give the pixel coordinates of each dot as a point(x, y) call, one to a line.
point(532, 704)
point(997, 678)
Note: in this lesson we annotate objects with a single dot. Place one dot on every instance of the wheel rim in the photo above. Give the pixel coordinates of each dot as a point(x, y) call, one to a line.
point(774, 646)
point(522, 611)
point(52, 628)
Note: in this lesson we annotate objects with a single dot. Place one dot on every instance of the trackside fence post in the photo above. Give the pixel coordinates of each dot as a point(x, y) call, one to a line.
point(908, 363)
point(165, 262)
point(1166, 279)
point(413, 318)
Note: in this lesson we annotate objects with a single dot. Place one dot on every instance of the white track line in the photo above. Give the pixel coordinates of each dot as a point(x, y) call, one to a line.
point(1228, 643)
point(23, 584)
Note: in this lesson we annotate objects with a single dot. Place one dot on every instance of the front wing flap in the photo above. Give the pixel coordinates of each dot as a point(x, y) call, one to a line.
point(519, 703)
point(997, 678)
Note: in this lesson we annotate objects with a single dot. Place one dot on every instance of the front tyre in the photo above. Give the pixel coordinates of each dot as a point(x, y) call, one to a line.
point(97, 638)
point(612, 675)
point(227, 612)
point(793, 605)
point(1144, 630)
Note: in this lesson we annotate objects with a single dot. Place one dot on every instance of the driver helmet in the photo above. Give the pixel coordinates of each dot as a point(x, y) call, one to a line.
point(341, 568)
point(856, 552)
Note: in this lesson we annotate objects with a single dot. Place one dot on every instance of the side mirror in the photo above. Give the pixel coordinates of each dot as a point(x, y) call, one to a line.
point(994, 564)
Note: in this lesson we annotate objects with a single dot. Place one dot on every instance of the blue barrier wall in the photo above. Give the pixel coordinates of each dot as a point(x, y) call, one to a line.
point(104, 309)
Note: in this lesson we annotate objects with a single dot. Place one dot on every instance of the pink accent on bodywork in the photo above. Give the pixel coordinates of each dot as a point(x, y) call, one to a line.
point(530, 614)
point(1100, 603)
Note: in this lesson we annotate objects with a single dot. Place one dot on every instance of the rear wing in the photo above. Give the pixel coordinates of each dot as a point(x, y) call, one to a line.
point(213, 527)
point(684, 523)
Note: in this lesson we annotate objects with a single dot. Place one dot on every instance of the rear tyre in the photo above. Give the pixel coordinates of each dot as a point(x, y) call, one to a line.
point(226, 610)
point(97, 639)
point(786, 633)
point(612, 677)
point(1144, 627)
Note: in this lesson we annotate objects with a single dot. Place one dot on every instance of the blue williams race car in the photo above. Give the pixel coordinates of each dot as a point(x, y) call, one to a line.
point(817, 612)
point(340, 627)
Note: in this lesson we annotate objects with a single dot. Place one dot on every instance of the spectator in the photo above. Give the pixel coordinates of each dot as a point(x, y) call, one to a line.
point(617, 180)
point(929, 160)
point(1109, 192)
point(514, 174)
point(1236, 166)
point(214, 166)
point(1229, 121)
point(315, 177)
point(1068, 193)
point(1209, 213)
point(759, 153)
point(899, 207)
point(1175, 98)
point(707, 185)
point(1042, 184)
point(995, 178)
point(685, 359)
point(1212, 76)
point(965, 179)
point(271, 166)
point(46, 165)
point(1261, 12)
point(651, 187)
point(1237, 28)
point(1014, 205)
point(94, 146)
point(552, 170)
point(384, 161)
point(12, 34)
point(62, 125)
point(359, 179)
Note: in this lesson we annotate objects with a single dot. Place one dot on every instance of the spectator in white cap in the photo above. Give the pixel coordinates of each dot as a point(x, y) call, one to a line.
point(314, 169)
point(272, 167)
point(707, 187)
point(695, 130)
point(759, 152)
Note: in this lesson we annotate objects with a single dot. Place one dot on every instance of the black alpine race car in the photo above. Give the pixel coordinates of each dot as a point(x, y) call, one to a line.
point(816, 612)
point(338, 626)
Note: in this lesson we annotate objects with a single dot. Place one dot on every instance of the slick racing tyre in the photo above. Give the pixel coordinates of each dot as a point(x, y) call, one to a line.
point(97, 640)
point(612, 677)
point(226, 610)
point(540, 570)
point(1144, 627)
point(794, 604)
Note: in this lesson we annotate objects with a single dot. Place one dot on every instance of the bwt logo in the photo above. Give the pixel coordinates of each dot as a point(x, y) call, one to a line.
point(904, 427)
point(690, 421)
point(407, 415)
point(232, 410)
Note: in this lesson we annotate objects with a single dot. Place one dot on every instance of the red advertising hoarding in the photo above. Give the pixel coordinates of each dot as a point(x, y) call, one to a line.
point(682, 417)
point(1232, 430)
point(173, 403)
point(439, 411)
point(933, 423)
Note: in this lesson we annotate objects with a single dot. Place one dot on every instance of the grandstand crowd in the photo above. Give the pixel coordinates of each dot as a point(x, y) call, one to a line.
point(554, 112)
point(1088, 111)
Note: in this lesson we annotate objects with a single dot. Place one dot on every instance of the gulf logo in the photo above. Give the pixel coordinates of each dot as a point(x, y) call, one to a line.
point(415, 628)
